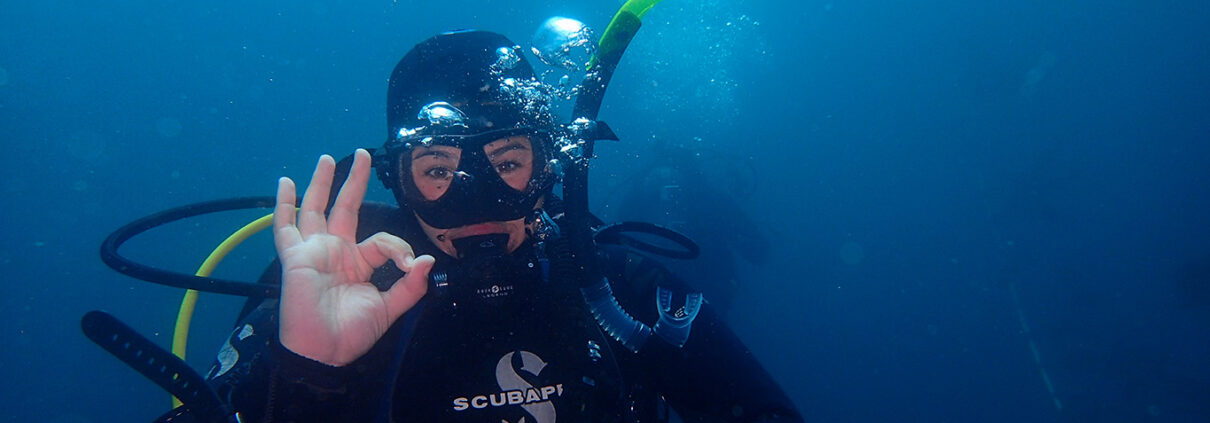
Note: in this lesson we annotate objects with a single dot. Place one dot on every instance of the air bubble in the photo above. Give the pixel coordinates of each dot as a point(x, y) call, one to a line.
point(442, 114)
point(506, 58)
point(565, 43)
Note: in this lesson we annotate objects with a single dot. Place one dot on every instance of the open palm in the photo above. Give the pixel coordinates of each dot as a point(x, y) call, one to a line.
point(330, 312)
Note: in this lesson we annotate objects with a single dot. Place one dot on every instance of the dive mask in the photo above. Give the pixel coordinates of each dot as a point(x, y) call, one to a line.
point(472, 178)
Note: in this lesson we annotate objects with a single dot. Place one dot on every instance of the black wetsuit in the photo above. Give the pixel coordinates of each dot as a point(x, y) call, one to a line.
point(520, 347)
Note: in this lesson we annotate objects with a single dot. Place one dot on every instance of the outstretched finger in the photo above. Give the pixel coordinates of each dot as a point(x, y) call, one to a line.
point(285, 234)
point(311, 218)
point(342, 221)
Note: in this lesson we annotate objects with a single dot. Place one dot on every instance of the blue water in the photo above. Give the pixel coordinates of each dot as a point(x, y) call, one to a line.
point(911, 164)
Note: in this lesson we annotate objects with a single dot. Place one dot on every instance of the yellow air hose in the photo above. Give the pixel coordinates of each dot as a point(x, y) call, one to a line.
point(180, 335)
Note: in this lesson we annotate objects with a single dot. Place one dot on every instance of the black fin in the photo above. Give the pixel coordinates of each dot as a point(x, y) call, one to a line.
point(154, 363)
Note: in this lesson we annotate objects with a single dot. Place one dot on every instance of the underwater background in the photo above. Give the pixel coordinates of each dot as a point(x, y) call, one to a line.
point(963, 211)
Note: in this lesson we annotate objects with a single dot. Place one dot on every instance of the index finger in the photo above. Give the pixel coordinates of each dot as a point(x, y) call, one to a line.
point(311, 219)
point(342, 221)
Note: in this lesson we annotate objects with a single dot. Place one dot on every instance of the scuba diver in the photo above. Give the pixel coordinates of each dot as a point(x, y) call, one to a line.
point(674, 191)
point(469, 318)
point(481, 296)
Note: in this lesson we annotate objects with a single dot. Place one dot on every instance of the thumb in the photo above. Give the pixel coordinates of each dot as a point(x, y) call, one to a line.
point(410, 288)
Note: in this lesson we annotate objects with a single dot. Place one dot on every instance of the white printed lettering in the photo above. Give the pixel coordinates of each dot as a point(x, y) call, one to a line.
point(497, 399)
point(479, 401)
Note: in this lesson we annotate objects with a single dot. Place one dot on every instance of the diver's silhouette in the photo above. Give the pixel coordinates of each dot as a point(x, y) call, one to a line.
point(673, 190)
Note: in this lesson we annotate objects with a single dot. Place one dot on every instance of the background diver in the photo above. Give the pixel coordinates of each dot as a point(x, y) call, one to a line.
point(672, 189)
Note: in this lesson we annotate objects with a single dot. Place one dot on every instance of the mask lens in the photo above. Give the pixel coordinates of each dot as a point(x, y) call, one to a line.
point(512, 159)
point(437, 166)
point(434, 168)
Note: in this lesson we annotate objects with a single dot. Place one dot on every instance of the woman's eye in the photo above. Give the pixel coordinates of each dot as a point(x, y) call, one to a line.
point(438, 173)
point(506, 167)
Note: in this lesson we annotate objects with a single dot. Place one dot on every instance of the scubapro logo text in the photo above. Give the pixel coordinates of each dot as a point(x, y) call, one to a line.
point(515, 397)
point(537, 401)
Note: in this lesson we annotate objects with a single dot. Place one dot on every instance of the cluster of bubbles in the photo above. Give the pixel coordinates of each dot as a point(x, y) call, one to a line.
point(564, 43)
point(565, 46)
point(533, 97)
point(506, 58)
point(572, 142)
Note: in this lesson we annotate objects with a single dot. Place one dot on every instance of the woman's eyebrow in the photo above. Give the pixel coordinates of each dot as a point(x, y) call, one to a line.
point(512, 145)
point(432, 152)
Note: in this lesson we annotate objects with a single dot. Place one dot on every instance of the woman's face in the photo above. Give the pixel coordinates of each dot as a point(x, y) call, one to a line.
point(435, 167)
